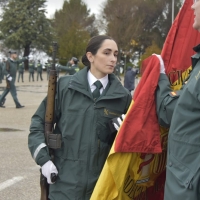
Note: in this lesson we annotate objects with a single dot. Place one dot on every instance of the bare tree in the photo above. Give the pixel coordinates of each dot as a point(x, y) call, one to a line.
point(134, 24)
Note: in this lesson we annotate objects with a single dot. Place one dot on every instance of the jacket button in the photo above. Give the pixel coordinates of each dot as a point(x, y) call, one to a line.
point(170, 164)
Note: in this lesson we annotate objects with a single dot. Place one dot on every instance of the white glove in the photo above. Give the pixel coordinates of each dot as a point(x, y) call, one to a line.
point(47, 169)
point(162, 66)
point(9, 78)
point(119, 121)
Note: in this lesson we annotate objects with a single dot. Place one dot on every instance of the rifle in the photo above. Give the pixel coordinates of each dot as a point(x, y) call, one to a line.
point(8, 70)
point(53, 141)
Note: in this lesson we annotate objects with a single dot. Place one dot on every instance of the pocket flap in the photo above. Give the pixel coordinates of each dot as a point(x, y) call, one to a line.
point(180, 171)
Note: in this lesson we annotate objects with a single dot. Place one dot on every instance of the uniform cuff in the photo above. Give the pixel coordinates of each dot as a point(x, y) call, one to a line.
point(43, 160)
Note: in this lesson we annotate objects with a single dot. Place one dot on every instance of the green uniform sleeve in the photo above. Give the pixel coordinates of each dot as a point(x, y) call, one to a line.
point(166, 100)
point(21, 60)
point(67, 69)
point(36, 139)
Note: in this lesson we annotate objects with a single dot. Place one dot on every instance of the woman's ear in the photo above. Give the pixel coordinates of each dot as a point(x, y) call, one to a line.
point(90, 57)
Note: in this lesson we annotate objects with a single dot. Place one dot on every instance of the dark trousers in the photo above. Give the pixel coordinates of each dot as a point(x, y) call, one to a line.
point(31, 74)
point(21, 75)
point(39, 74)
point(13, 92)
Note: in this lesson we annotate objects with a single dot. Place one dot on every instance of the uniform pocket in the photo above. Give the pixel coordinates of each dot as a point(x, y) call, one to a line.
point(183, 174)
point(72, 123)
point(104, 131)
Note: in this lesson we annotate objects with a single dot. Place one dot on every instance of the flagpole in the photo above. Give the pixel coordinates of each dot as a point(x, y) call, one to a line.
point(172, 11)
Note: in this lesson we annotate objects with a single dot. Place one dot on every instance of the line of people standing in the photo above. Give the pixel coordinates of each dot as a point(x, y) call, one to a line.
point(70, 68)
point(32, 67)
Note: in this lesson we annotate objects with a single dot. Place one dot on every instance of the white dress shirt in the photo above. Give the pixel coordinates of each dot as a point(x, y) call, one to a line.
point(92, 79)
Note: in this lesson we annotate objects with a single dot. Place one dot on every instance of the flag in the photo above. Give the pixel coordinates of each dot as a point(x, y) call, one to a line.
point(135, 167)
point(178, 46)
point(125, 174)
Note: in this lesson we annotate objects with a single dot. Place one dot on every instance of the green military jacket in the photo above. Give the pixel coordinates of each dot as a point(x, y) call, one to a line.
point(76, 68)
point(31, 67)
point(21, 67)
point(48, 67)
point(70, 69)
point(39, 67)
point(86, 136)
point(11, 68)
point(180, 111)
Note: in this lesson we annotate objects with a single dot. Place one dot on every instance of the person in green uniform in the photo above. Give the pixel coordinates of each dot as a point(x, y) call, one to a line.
point(31, 69)
point(72, 66)
point(67, 68)
point(85, 104)
point(48, 66)
point(180, 111)
point(11, 70)
point(21, 71)
point(39, 70)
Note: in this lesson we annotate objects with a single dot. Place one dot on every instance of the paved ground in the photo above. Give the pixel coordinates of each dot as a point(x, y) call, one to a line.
point(19, 175)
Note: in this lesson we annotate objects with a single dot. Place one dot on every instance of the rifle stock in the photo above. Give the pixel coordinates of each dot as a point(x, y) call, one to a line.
point(49, 116)
point(44, 187)
point(8, 70)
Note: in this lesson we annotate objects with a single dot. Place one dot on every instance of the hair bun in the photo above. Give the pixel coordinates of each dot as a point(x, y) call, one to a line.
point(85, 61)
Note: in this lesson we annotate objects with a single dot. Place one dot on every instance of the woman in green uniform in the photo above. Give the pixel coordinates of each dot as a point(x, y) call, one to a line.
point(85, 104)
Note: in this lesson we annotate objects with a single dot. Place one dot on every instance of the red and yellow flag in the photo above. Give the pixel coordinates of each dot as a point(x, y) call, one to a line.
point(135, 167)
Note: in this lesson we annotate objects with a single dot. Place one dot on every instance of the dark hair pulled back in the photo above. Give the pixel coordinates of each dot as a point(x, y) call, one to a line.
point(93, 46)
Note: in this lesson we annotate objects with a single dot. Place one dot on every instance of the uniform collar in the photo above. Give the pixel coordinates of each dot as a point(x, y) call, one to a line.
point(80, 83)
point(91, 79)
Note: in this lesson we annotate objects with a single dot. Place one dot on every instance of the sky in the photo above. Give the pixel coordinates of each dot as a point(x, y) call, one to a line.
point(53, 5)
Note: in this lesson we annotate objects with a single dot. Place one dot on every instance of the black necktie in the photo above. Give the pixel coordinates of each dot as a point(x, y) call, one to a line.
point(96, 92)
